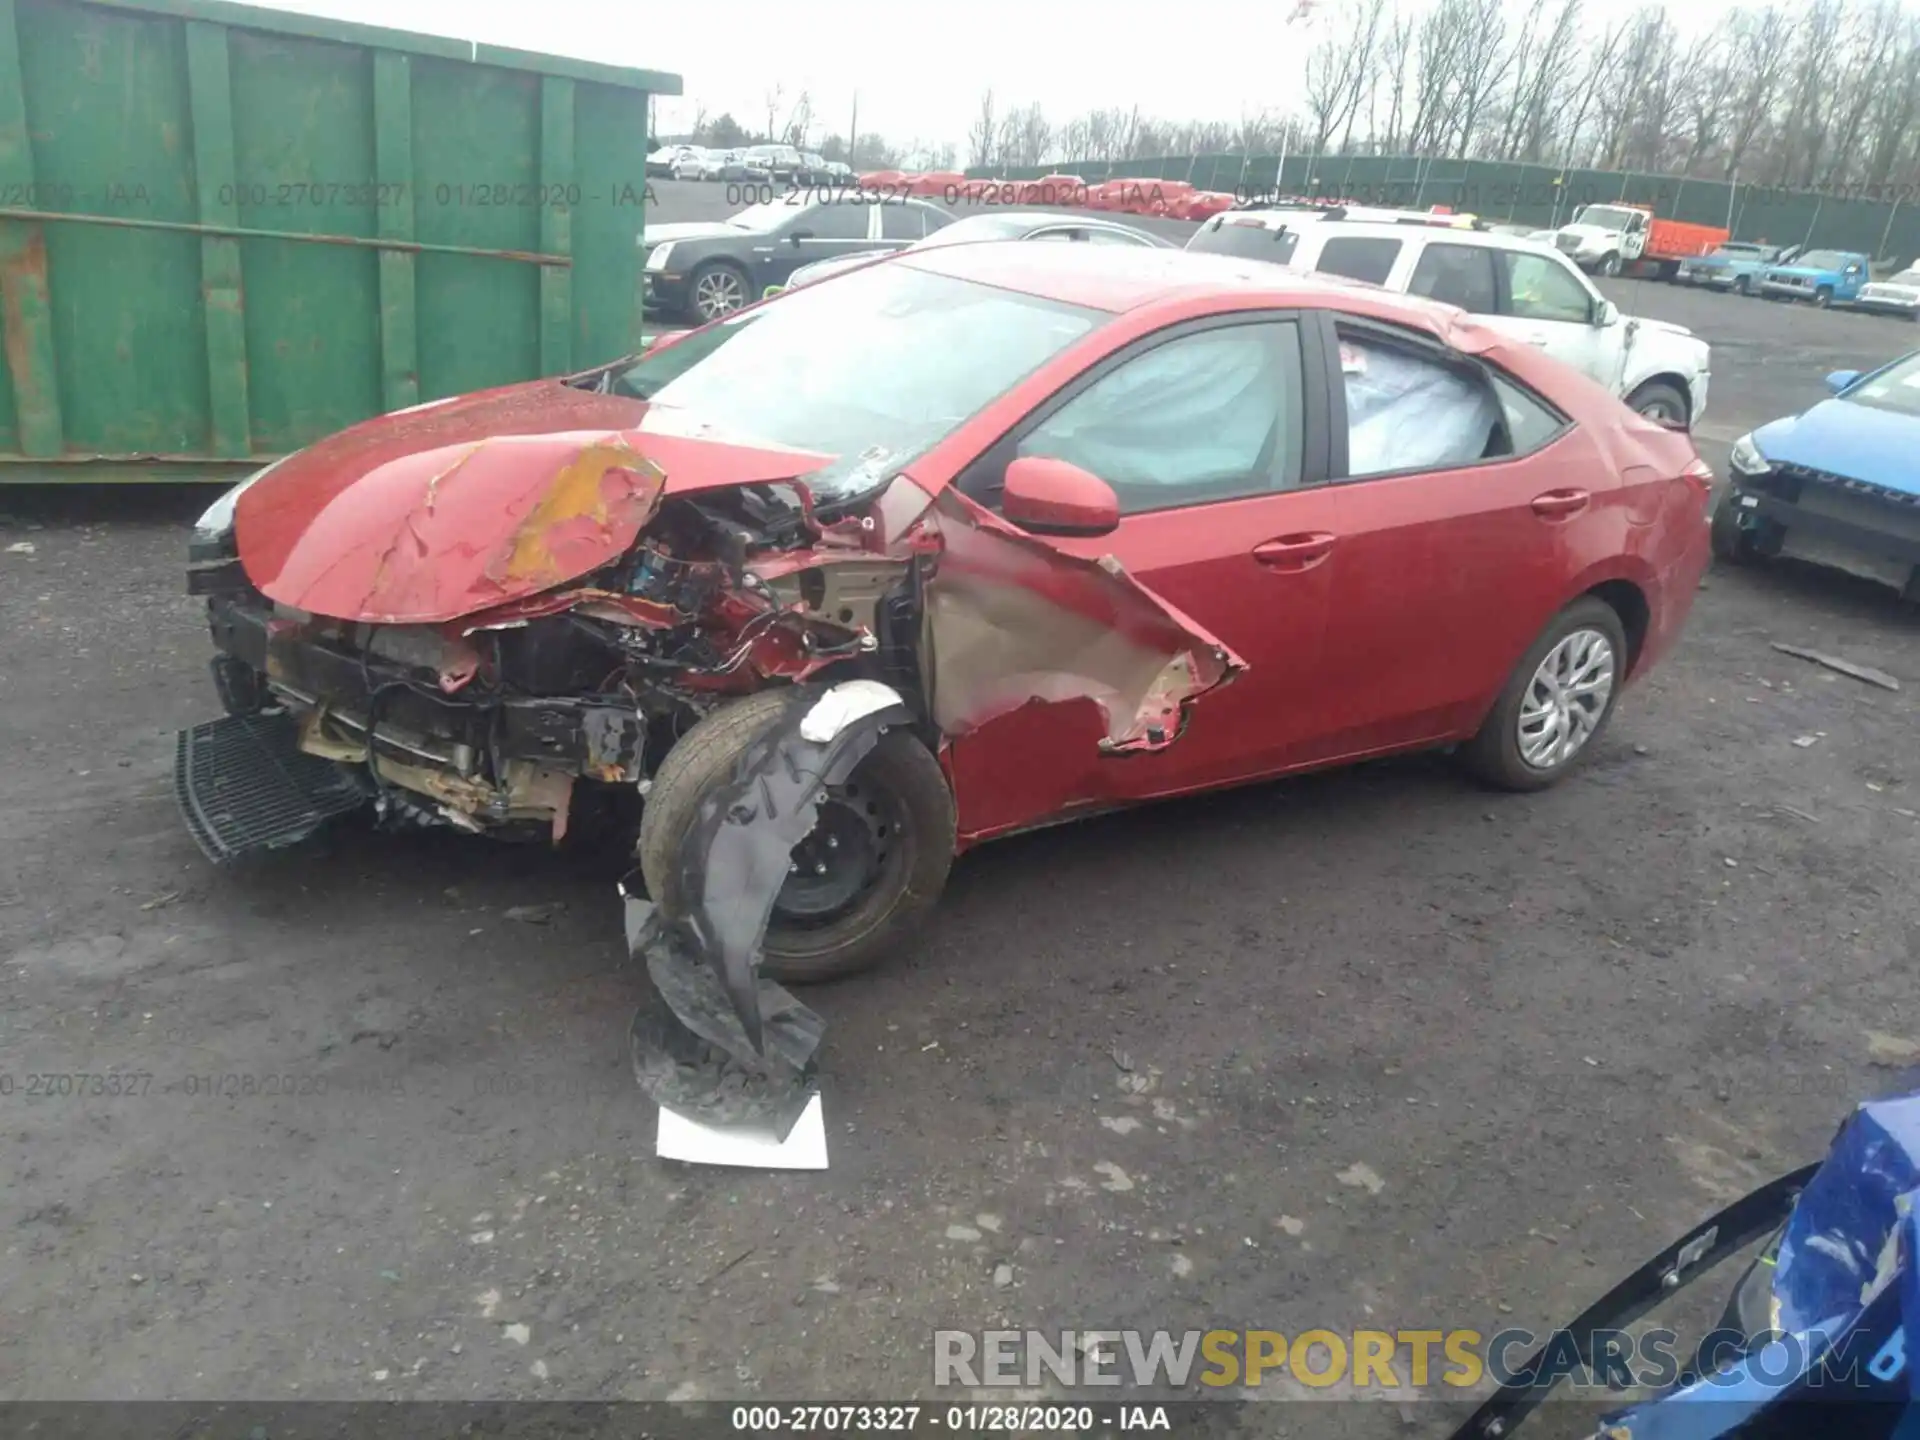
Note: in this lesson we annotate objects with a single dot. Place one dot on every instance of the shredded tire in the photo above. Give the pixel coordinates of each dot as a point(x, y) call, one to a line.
point(793, 955)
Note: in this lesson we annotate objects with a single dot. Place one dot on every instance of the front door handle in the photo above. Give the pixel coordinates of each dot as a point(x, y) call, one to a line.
point(1294, 552)
point(1558, 503)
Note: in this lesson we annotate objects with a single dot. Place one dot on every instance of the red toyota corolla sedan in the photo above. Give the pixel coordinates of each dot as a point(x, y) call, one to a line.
point(1055, 528)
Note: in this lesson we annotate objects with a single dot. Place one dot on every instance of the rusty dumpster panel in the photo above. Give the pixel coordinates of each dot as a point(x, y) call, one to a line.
point(226, 232)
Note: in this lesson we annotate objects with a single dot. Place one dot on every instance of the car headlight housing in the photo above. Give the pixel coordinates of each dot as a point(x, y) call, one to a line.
point(657, 257)
point(216, 521)
point(1746, 457)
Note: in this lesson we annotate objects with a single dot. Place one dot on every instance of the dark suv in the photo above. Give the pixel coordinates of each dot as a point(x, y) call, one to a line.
point(706, 269)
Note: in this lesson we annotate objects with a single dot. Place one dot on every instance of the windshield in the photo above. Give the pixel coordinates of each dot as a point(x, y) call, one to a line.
point(1245, 240)
point(1824, 260)
point(872, 369)
point(1896, 388)
point(1906, 277)
point(1738, 252)
point(1608, 217)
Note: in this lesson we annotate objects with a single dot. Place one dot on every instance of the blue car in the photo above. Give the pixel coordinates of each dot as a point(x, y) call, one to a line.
point(1836, 485)
point(1736, 266)
point(1826, 277)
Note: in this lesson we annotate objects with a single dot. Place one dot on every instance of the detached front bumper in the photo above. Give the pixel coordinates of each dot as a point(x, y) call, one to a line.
point(1836, 523)
point(318, 727)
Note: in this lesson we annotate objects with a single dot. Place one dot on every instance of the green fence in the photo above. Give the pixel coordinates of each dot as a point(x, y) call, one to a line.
point(1500, 191)
point(226, 232)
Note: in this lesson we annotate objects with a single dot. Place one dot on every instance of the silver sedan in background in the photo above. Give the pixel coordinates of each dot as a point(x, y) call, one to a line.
point(1000, 225)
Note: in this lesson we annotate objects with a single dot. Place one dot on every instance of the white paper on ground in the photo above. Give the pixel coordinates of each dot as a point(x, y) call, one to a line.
point(805, 1147)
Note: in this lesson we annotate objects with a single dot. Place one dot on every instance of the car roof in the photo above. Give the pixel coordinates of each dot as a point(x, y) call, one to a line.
point(1039, 218)
point(1397, 229)
point(1124, 277)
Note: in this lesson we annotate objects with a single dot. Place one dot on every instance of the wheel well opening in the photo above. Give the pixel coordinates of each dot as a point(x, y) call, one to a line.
point(1678, 382)
point(1631, 606)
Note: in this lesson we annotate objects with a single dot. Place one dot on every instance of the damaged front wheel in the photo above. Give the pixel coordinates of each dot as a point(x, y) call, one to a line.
point(874, 863)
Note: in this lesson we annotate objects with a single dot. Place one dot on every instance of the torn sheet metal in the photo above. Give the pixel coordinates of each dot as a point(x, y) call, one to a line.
point(716, 1040)
point(1014, 621)
point(1832, 1354)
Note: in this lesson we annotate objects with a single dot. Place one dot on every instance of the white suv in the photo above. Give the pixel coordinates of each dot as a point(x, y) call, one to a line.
point(1521, 287)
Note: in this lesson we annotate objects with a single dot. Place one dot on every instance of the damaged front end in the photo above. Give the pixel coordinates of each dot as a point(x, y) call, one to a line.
point(514, 718)
point(512, 680)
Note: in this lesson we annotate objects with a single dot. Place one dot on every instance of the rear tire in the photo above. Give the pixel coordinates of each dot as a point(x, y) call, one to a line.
point(899, 776)
point(1657, 400)
point(1494, 756)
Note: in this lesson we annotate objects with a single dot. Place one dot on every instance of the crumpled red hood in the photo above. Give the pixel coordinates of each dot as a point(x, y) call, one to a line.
point(431, 514)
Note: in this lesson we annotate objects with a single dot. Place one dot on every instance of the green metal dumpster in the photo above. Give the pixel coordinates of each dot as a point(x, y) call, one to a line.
point(226, 232)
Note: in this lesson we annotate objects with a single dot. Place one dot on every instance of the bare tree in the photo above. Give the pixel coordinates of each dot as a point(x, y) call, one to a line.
point(799, 122)
point(1797, 93)
point(1758, 62)
point(983, 134)
point(1896, 102)
point(1341, 70)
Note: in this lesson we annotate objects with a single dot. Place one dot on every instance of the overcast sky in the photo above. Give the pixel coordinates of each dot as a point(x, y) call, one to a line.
point(918, 71)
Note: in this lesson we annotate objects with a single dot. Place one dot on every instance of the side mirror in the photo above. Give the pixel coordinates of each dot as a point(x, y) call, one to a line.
point(1054, 497)
point(1841, 379)
point(794, 237)
point(1605, 313)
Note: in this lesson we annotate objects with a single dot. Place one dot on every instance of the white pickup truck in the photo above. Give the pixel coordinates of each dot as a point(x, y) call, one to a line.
point(1525, 288)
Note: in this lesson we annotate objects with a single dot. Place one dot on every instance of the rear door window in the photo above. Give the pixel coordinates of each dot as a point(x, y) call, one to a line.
point(1359, 257)
point(1456, 275)
point(901, 222)
point(1408, 410)
point(833, 221)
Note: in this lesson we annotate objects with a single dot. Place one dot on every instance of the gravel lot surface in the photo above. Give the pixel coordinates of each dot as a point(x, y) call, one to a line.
point(1410, 1054)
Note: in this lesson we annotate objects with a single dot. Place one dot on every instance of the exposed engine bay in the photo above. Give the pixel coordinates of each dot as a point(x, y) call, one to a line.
point(496, 722)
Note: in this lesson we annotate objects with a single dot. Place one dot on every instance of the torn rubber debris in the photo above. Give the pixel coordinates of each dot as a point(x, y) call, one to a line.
point(715, 1040)
point(691, 1054)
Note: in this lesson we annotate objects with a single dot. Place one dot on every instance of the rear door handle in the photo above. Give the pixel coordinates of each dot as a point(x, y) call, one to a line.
point(1556, 503)
point(1294, 552)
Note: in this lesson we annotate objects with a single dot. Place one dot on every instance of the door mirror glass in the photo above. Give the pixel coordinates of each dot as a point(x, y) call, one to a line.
point(1057, 497)
point(1606, 313)
point(1840, 379)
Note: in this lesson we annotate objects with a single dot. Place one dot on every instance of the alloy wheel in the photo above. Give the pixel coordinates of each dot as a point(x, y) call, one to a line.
point(717, 293)
point(1566, 699)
